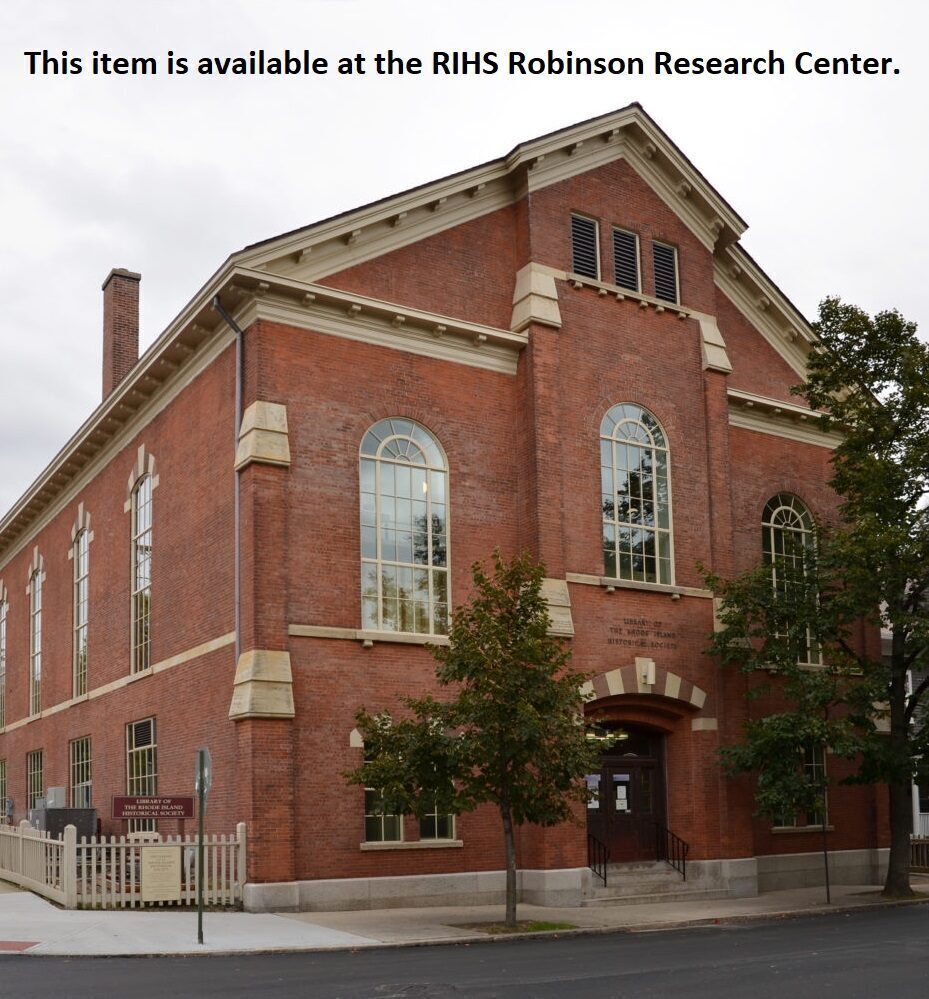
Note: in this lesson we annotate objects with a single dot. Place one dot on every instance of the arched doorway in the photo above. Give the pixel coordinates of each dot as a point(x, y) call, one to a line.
point(627, 806)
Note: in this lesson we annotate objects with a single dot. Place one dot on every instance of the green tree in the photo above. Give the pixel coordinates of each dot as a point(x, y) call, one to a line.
point(511, 734)
point(868, 378)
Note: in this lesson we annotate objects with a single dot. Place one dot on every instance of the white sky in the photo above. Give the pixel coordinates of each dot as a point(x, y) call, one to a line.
point(168, 175)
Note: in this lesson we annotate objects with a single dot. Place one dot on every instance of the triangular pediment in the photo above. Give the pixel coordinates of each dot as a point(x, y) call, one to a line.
point(316, 251)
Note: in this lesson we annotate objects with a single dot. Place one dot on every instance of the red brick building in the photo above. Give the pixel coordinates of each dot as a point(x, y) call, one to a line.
point(565, 350)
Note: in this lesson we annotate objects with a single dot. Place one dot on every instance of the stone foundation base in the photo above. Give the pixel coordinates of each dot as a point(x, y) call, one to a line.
point(567, 887)
point(805, 870)
point(742, 877)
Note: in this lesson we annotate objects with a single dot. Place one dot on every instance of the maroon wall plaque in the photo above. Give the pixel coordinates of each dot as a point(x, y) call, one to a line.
point(152, 807)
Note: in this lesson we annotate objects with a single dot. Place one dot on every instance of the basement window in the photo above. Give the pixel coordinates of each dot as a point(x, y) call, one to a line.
point(585, 250)
point(666, 283)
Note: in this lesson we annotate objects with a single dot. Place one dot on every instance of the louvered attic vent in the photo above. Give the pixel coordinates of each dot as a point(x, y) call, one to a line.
point(665, 260)
point(626, 259)
point(584, 255)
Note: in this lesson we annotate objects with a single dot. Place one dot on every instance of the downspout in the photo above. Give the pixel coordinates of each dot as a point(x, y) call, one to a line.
point(237, 573)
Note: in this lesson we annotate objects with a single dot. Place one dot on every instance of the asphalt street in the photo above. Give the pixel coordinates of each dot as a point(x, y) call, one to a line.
point(858, 955)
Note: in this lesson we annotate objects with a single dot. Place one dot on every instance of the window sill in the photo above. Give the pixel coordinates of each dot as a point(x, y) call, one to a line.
point(609, 583)
point(419, 844)
point(366, 637)
point(139, 674)
point(780, 830)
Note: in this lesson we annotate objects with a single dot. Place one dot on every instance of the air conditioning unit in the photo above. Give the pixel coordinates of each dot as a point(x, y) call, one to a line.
point(55, 797)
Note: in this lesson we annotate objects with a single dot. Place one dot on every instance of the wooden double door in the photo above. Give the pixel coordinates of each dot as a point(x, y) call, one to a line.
point(629, 799)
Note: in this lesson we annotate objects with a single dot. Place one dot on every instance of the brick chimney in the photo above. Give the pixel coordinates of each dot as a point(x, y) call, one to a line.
point(120, 326)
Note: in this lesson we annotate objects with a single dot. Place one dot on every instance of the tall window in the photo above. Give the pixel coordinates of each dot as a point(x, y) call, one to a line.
point(635, 496)
point(81, 580)
point(787, 538)
point(813, 766)
point(35, 783)
point(141, 574)
point(3, 609)
point(35, 642)
point(141, 766)
point(81, 773)
point(3, 812)
point(404, 530)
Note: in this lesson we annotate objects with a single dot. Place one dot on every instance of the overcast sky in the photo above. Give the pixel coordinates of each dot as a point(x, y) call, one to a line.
point(167, 175)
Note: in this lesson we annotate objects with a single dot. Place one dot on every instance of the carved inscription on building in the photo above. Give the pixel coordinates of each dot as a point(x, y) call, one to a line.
point(642, 633)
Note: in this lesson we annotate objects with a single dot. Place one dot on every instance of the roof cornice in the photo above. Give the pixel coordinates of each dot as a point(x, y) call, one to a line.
point(196, 334)
point(765, 306)
point(353, 237)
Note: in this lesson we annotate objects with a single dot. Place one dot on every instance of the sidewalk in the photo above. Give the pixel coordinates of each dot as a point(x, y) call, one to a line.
point(30, 925)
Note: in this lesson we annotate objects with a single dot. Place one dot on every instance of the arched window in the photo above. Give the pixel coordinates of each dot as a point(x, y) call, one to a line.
point(787, 537)
point(786, 531)
point(404, 530)
point(635, 496)
point(81, 559)
point(141, 544)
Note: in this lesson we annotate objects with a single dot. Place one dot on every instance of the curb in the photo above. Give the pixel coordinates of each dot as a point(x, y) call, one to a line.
point(704, 922)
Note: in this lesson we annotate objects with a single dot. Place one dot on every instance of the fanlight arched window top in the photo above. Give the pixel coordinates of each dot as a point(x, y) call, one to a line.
point(405, 441)
point(633, 424)
point(635, 496)
point(785, 512)
point(404, 529)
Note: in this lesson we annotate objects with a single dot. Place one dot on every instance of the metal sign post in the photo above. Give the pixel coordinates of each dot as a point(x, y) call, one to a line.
point(202, 781)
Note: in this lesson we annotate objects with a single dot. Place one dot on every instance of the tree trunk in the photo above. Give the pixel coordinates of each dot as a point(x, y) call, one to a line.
point(897, 884)
point(508, 839)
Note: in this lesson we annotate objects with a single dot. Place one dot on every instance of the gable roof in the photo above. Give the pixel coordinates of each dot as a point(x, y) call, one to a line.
point(359, 234)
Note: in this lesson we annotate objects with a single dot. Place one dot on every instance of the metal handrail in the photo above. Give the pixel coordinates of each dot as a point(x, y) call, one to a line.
point(598, 856)
point(671, 849)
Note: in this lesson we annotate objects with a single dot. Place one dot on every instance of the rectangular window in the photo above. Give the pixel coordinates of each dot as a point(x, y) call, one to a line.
point(3, 812)
point(141, 574)
point(435, 825)
point(81, 581)
point(626, 259)
point(3, 607)
point(380, 826)
point(141, 766)
point(35, 783)
point(35, 643)
point(666, 283)
point(814, 770)
point(81, 773)
point(585, 248)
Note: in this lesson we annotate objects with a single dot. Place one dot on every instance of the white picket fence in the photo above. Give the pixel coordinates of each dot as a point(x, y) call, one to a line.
point(106, 873)
point(919, 855)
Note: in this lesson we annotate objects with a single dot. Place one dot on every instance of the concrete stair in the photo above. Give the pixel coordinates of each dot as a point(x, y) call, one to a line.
point(651, 881)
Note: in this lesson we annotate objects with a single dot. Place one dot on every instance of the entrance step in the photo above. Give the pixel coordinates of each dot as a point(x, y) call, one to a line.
point(650, 881)
point(690, 895)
